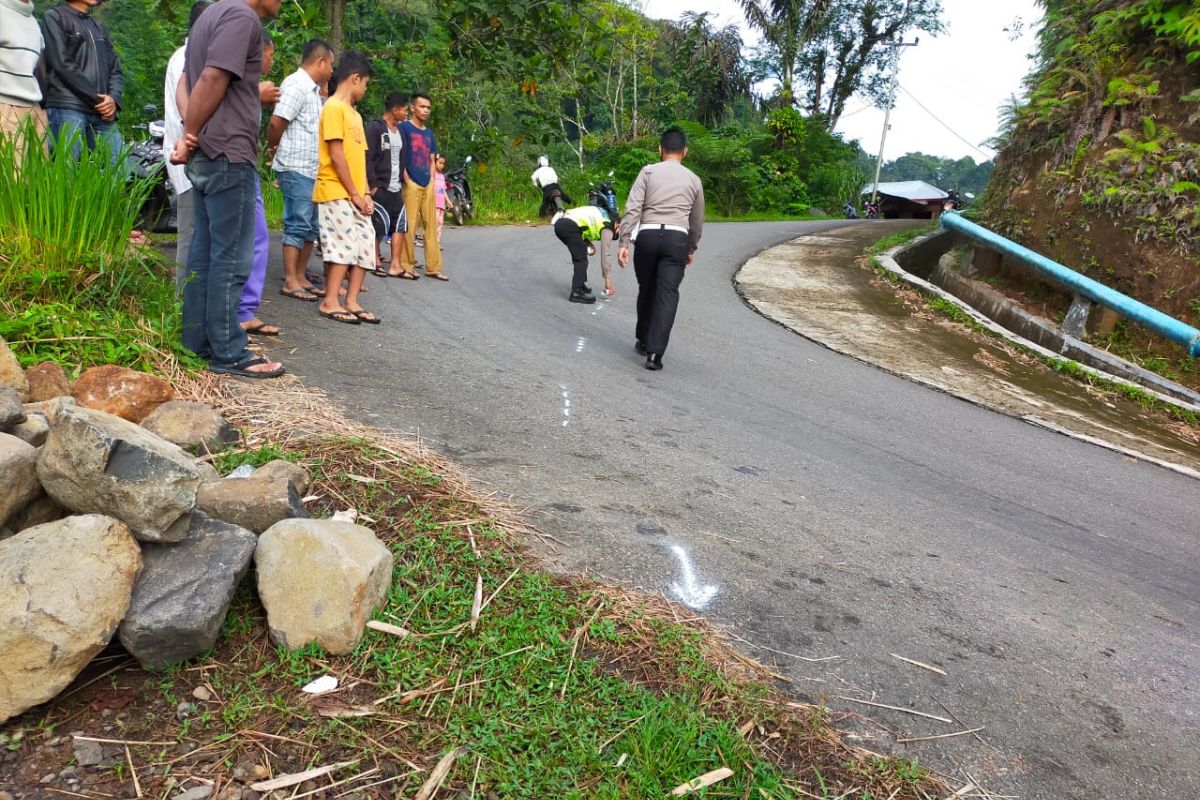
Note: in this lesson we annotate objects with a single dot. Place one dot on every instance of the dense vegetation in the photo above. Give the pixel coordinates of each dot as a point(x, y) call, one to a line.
point(72, 289)
point(591, 84)
point(1099, 167)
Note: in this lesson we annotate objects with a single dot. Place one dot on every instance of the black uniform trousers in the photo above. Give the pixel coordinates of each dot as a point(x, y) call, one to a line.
point(569, 233)
point(659, 260)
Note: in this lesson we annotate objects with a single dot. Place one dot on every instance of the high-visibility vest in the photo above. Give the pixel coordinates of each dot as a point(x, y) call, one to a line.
point(590, 219)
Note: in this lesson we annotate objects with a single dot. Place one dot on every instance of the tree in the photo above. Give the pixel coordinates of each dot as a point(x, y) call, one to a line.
point(850, 56)
point(711, 61)
point(787, 26)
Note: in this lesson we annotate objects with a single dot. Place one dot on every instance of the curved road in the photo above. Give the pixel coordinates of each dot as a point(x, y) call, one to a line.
point(835, 509)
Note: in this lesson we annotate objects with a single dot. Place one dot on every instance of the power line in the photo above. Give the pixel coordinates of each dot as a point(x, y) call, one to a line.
point(938, 120)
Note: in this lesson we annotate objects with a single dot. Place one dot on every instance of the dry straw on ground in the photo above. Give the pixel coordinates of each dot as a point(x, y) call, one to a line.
point(287, 414)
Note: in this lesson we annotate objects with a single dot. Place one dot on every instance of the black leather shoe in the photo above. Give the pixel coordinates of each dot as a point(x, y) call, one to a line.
point(580, 297)
point(640, 347)
point(654, 361)
point(586, 289)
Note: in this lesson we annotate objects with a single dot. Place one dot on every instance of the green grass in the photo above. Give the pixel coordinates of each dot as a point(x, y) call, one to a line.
point(897, 239)
point(272, 201)
point(565, 690)
point(71, 288)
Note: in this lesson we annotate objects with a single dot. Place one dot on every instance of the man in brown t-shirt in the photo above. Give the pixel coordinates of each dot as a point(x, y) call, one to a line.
point(222, 66)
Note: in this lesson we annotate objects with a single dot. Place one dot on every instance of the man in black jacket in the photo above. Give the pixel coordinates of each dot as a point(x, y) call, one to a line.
point(385, 173)
point(83, 77)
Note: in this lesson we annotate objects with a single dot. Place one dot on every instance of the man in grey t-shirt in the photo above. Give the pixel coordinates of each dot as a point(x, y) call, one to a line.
point(665, 213)
point(220, 147)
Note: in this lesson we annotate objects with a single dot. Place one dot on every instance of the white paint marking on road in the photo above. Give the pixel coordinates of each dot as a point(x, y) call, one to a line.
point(580, 343)
point(689, 590)
point(601, 306)
point(566, 396)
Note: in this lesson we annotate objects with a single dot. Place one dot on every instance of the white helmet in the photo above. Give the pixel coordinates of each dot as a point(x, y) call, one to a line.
point(543, 161)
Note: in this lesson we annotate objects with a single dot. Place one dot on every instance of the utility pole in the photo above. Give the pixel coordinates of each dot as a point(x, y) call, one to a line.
point(887, 116)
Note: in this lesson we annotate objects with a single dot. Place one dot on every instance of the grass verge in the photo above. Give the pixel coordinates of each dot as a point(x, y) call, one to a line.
point(72, 289)
point(562, 688)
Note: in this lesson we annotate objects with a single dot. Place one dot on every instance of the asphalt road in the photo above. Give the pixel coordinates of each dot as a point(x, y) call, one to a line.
point(823, 507)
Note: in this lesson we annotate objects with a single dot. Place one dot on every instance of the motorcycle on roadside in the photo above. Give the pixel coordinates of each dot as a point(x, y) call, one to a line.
point(459, 203)
point(146, 161)
point(849, 210)
point(604, 196)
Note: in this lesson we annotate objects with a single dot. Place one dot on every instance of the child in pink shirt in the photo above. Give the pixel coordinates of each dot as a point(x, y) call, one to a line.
point(439, 193)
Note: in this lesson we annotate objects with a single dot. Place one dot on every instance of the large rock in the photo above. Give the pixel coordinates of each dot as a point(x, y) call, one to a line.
point(50, 408)
point(47, 380)
point(12, 413)
point(253, 503)
point(191, 425)
point(97, 463)
point(297, 474)
point(11, 374)
point(33, 431)
point(184, 591)
point(18, 475)
point(64, 588)
point(121, 391)
point(38, 511)
point(320, 581)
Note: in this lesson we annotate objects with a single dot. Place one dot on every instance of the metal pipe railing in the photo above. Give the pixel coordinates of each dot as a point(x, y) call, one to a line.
point(1162, 324)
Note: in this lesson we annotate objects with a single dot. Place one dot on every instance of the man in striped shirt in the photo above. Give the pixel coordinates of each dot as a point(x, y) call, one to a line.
point(292, 146)
point(20, 50)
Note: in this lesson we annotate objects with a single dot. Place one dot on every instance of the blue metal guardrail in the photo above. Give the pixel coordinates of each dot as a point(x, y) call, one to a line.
point(1139, 312)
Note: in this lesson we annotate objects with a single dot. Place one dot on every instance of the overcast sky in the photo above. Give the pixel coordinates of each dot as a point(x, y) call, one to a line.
point(962, 77)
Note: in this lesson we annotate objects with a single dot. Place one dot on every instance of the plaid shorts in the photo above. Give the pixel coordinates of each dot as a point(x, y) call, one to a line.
point(346, 235)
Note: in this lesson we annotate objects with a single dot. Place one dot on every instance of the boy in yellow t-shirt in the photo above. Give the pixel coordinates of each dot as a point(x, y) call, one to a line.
point(344, 204)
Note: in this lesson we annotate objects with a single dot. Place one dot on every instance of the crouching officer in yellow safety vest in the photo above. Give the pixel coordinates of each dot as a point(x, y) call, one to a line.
point(575, 227)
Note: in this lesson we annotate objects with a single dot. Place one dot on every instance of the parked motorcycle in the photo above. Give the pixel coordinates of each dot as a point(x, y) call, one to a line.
point(146, 161)
point(849, 210)
point(459, 202)
point(604, 196)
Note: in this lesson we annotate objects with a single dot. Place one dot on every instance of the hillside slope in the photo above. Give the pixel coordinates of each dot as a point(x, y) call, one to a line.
point(1099, 168)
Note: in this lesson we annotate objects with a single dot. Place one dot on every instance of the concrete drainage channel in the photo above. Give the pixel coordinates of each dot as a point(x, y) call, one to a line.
point(818, 286)
point(938, 261)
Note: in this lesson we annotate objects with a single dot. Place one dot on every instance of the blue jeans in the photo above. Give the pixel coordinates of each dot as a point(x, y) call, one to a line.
point(300, 224)
point(220, 258)
point(90, 130)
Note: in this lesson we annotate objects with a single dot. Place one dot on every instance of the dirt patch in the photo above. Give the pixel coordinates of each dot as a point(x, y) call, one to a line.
point(823, 288)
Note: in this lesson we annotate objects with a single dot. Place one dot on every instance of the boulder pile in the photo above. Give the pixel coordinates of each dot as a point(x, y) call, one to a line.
point(113, 523)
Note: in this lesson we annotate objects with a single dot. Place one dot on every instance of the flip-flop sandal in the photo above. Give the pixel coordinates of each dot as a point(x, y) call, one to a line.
point(437, 276)
point(243, 370)
point(366, 316)
point(380, 272)
point(300, 294)
point(408, 275)
point(347, 317)
point(264, 329)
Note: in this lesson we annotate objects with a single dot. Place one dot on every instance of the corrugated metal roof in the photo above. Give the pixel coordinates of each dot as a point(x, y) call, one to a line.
point(917, 191)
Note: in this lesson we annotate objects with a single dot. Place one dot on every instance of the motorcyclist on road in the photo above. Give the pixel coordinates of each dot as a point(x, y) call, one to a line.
point(546, 179)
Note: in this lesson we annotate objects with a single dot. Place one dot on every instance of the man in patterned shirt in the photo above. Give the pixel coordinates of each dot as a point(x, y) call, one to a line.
point(292, 140)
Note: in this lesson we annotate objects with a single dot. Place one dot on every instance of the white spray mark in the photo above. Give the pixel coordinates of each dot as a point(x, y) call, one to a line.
point(566, 397)
point(601, 306)
point(580, 343)
point(689, 590)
